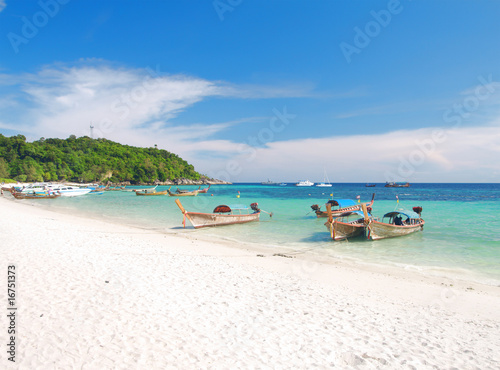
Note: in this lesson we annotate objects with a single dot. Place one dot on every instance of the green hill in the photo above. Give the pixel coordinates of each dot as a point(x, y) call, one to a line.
point(88, 160)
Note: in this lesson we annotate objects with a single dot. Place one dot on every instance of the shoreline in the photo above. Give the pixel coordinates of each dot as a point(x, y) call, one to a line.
point(92, 276)
point(416, 271)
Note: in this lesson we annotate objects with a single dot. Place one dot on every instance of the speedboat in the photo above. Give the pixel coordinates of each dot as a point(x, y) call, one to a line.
point(69, 191)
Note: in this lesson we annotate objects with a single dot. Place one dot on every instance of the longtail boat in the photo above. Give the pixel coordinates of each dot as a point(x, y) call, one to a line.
point(344, 205)
point(182, 194)
point(145, 190)
point(392, 224)
point(150, 192)
point(203, 191)
point(222, 215)
point(18, 195)
point(347, 225)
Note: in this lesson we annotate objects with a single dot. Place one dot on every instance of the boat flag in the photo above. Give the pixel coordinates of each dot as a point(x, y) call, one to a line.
point(358, 198)
point(397, 199)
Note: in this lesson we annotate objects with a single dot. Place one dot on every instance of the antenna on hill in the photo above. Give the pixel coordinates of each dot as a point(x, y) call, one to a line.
point(91, 131)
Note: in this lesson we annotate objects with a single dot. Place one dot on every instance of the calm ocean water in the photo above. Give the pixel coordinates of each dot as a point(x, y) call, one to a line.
point(461, 236)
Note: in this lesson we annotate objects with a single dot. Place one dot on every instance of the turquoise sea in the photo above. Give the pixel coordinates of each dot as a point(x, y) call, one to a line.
point(461, 237)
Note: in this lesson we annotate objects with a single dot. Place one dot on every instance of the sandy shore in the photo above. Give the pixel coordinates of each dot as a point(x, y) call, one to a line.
point(93, 295)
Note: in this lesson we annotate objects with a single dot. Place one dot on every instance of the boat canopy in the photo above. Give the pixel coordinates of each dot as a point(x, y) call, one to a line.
point(404, 212)
point(342, 202)
point(226, 209)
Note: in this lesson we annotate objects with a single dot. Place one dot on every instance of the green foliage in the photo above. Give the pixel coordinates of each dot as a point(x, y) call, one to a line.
point(87, 160)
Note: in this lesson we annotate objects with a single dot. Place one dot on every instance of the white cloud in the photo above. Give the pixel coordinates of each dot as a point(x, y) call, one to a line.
point(2, 5)
point(422, 155)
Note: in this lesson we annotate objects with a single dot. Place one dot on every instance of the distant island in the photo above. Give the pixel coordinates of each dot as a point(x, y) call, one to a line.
point(87, 160)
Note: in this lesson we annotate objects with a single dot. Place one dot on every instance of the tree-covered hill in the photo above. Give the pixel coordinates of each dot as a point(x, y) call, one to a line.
point(88, 160)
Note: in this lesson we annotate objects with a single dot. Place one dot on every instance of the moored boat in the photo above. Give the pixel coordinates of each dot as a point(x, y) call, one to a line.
point(151, 193)
point(221, 215)
point(345, 226)
point(182, 193)
point(392, 224)
point(203, 191)
point(19, 195)
point(344, 205)
point(145, 190)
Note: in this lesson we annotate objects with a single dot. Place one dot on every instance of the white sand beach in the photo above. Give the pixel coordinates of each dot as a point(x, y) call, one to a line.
point(96, 295)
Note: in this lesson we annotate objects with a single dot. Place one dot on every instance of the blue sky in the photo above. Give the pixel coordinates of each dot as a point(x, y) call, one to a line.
point(250, 90)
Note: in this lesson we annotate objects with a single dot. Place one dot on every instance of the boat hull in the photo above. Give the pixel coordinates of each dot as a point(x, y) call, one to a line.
point(344, 230)
point(199, 220)
point(31, 196)
point(150, 193)
point(379, 230)
point(191, 194)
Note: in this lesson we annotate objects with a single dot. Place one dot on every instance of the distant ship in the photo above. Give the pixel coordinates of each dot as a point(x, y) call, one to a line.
point(269, 182)
point(397, 184)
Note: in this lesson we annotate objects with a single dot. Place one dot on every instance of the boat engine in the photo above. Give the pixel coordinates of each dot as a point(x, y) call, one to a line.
point(315, 207)
point(255, 207)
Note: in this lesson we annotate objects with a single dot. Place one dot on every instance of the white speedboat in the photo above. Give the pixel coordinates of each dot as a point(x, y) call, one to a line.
point(69, 191)
point(304, 183)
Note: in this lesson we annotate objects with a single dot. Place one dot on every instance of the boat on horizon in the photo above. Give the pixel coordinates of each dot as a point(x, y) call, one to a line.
point(222, 215)
point(269, 182)
point(370, 185)
point(325, 183)
point(397, 185)
point(304, 183)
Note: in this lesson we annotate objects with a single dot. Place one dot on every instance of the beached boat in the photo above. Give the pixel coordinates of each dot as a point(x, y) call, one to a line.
point(397, 184)
point(151, 193)
point(304, 183)
point(18, 195)
point(221, 215)
point(345, 226)
point(70, 191)
point(182, 194)
point(392, 224)
point(344, 205)
point(64, 190)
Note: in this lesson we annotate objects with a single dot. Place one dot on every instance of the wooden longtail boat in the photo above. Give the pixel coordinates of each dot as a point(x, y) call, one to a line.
point(35, 196)
point(204, 191)
point(146, 190)
point(345, 205)
point(165, 192)
point(222, 215)
point(182, 194)
point(347, 225)
point(392, 224)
